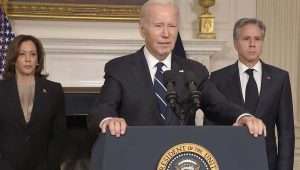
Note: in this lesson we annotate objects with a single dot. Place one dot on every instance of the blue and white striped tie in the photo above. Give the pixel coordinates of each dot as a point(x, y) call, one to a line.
point(160, 90)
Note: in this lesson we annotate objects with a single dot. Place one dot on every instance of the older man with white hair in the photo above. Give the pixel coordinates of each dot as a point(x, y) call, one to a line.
point(133, 93)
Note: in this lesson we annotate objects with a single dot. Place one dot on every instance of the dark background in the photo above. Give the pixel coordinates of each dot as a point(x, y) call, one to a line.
point(79, 140)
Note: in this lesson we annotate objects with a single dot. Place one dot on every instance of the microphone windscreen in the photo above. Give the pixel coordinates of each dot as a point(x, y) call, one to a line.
point(199, 72)
point(169, 76)
point(190, 76)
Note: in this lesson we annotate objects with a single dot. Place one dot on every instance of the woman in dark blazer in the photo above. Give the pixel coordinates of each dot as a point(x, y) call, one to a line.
point(32, 113)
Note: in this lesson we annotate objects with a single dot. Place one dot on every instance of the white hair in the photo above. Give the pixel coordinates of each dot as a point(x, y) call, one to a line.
point(149, 3)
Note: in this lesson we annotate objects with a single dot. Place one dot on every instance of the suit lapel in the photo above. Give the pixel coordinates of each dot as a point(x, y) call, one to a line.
point(143, 77)
point(177, 63)
point(178, 66)
point(266, 82)
point(39, 101)
point(141, 71)
point(236, 88)
point(14, 102)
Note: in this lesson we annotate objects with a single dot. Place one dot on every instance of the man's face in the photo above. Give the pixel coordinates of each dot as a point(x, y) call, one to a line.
point(159, 29)
point(249, 44)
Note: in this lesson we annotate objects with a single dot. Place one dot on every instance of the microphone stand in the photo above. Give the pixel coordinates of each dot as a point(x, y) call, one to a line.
point(194, 92)
point(195, 95)
point(180, 114)
point(171, 97)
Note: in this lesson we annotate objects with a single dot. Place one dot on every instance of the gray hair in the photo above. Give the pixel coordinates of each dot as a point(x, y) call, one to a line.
point(149, 3)
point(245, 21)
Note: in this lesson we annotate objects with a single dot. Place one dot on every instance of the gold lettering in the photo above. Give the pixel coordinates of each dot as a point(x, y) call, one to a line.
point(209, 159)
point(180, 149)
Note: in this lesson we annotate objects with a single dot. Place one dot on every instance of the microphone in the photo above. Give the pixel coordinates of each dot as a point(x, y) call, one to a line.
point(170, 83)
point(192, 84)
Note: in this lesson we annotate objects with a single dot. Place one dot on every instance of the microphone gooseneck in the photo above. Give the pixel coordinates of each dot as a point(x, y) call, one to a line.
point(170, 83)
point(191, 82)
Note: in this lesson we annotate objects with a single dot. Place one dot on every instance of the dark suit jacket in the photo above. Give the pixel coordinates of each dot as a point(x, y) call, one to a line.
point(274, 108)
point(128, 93)
point(35, 145)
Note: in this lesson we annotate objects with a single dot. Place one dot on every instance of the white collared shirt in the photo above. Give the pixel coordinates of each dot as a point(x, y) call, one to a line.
point(152, 61)
point(244, 77)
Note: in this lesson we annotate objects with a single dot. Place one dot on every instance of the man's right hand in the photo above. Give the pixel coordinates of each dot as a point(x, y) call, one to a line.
point(116, 126)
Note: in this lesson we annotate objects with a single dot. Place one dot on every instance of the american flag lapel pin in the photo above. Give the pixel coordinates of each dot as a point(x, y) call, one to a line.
point(268, 77)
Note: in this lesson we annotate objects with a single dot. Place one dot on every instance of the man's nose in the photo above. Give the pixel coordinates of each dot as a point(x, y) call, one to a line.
point(165, 32)
point(252, 43)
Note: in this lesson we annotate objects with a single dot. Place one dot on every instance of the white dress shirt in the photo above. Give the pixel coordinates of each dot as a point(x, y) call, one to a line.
point(152, 61)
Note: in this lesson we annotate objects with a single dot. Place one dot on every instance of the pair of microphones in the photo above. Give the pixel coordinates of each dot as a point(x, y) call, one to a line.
point(182, 79)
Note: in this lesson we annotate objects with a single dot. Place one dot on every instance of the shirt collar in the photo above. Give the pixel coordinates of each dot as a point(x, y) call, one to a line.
point(152, 61)
point(242, 67)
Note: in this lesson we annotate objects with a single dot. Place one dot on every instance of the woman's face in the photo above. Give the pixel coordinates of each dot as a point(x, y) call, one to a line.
point(27, 59)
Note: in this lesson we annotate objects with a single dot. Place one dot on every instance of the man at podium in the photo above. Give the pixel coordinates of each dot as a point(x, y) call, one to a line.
point(133, 92)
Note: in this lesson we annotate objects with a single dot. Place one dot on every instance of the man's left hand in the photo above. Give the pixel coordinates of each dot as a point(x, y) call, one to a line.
point(255, 126)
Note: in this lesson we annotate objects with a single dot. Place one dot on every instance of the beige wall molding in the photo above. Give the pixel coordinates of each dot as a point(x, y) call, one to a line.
point(64, 11)
point(88, 57)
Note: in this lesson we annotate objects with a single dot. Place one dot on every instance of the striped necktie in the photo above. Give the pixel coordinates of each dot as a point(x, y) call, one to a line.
point(160, 90)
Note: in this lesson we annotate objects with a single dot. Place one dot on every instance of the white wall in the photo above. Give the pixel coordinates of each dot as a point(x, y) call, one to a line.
point(77, 51)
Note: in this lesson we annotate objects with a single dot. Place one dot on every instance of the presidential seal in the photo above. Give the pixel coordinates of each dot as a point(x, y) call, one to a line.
point(187, 156)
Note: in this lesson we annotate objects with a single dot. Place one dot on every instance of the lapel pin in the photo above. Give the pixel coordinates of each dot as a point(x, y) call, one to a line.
point(181, 71)
point(268, 77)
point(44, 90)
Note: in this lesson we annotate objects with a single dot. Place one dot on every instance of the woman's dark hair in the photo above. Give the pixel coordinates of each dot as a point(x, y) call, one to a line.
point(13, 53)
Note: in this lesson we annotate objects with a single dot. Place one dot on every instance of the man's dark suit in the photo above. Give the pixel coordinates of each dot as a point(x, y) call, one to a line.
point(274, 108)
point(35, 145)
point(128, 93)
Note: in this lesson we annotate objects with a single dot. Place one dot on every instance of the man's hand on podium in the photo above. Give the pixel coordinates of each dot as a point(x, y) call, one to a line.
point(255, 126)
point(116, 126)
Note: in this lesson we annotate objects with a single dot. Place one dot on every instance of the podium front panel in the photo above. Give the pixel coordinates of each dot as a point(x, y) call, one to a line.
point(141, 148)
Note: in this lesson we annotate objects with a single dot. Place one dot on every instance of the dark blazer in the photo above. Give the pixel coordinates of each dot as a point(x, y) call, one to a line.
point(275, 108)
point(128, 92)
point(35, 145)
